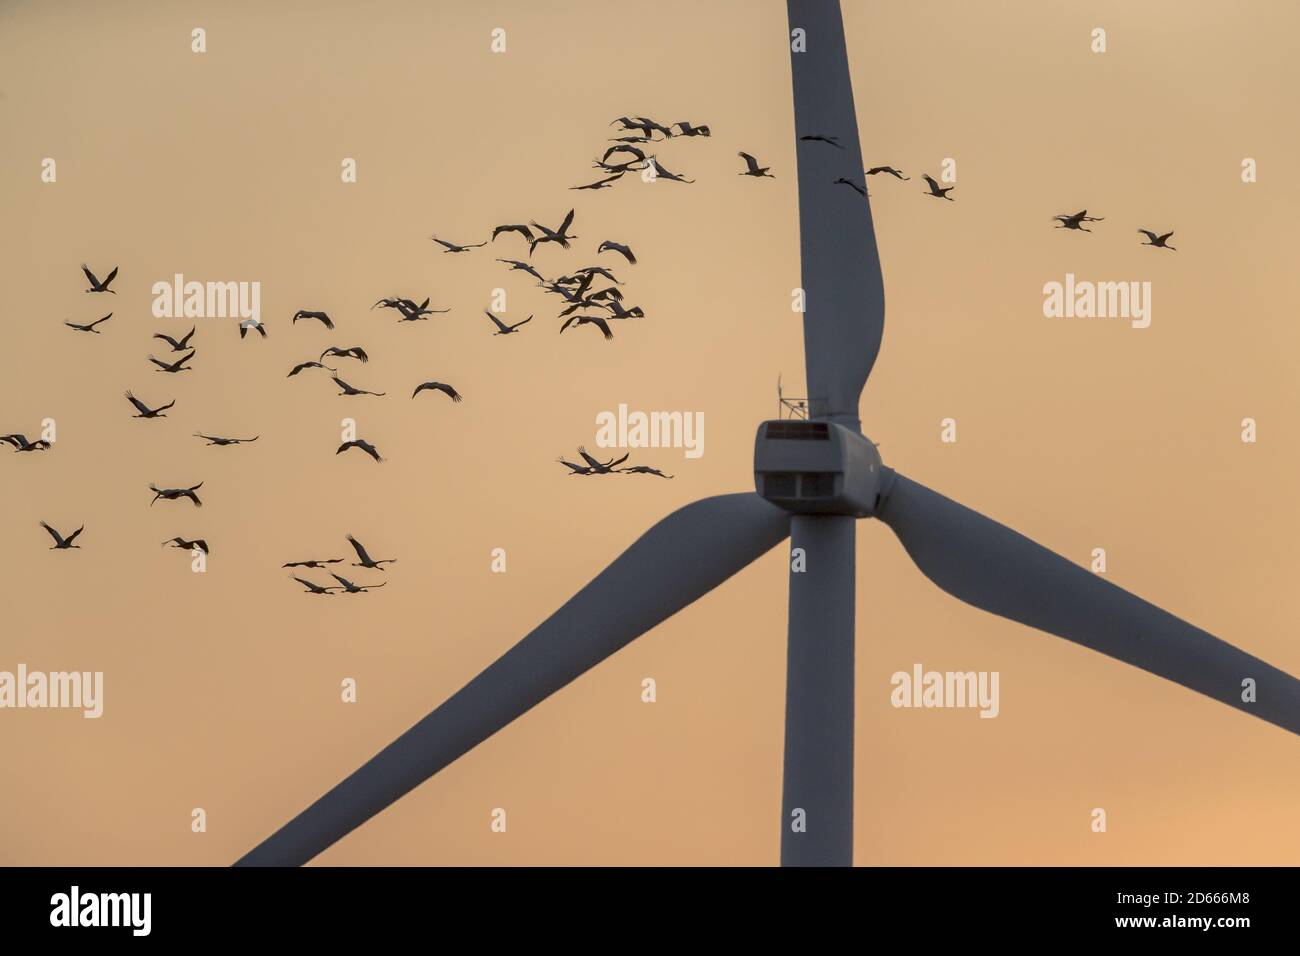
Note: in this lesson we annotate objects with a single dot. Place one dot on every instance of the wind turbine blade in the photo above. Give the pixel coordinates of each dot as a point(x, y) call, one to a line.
point(817, 781)
point(844, 316)
point(677, 561)
point(988, 565)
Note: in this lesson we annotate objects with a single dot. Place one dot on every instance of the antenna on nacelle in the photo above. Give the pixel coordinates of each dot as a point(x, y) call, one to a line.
point(796, 407)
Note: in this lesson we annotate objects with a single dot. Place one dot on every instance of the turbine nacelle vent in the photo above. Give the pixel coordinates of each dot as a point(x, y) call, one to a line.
point(817, 467)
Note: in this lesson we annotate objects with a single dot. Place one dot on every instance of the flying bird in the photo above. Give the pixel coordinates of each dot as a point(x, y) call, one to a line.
point(311, 564)
point(515, 266)
point(302, 365)
point(585, 271)
point(91, 326)
point(356, 352)
point(364, 559)
point(178, 345)
point(364, 445)
point(860, 190)
point(662, 173)
point(596, 320)
point(686, 129)
point(522, 230)
point(642, 470)
point(145, 411)
point(502, 328)
point(636, 154)
point(416, 313)
point(818, 138)
point(247, 324)
point(213, 440)
point(896, 173)
point(443, 387)
point(312, 588)
point(177, 366)
point(560, 235)
point(95, 284)
point(60, 542)
point(939, 192)
point(616, 307)
point(351, 588)
point(21, 443)
point(350, 390)
point(602, 183)
point(1160, 242)
point(574, 469)
point(323, 318)
point(184, 545)
point(754, 169)
point(1076, 221)
point(611, 246)
point(600, 468)
point(453, 247)
point(172, 494)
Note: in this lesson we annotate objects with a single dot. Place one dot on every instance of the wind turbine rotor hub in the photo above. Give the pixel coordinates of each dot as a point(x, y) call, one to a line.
point(818, 467)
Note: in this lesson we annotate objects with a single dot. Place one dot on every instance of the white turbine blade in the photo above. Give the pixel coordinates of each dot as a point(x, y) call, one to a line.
point(845, 295)
point(988, 565)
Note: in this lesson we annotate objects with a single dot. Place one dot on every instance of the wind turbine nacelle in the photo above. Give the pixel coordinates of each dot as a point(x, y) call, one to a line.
point(817, 467)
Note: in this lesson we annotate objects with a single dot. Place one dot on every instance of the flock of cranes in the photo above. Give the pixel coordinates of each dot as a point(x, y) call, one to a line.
point(584, 307)
point(1076, 222)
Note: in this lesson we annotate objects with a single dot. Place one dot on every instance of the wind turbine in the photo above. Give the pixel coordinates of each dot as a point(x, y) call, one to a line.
point(815, 479)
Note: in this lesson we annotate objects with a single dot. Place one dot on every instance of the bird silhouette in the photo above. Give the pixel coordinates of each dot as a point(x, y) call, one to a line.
point(624, 251)
point(311, 564)
point(897, 174)
point(819, 138)
point(502, 328)
point(321, 317)
point(521, 229)
point(598, 467)
point(185, 545)
point(61, 543)
point(602, 183)
point(364, 560)
point(213, 440)
point(1160, 242)
point(560, 235)
point(313, 588)
point(642, 470)
point(686, 129)
point(174, 367)
point(302, 365)
point(454, 247)
point(574, 469)
point(516, 266)
point(443, 387)
point(1076, 221)
point(178, 345)
point(939, 192)
point(145, 411)
point(95, 284)
point(356, 352)
point(596, 320)
point(172, 494)
point(257, 327)
point(351, 588)
point(91, 326)
point(754, 169)
point(21, 443)
point(365, 446)
point(347, 389)
point(860, 190)
point(581, 274)
point(662, 173)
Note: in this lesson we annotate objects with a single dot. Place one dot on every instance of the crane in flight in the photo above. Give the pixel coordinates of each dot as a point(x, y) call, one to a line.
point(60, 542)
